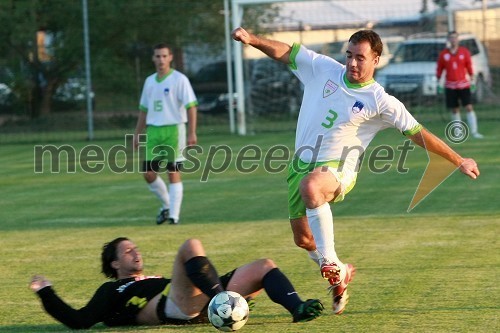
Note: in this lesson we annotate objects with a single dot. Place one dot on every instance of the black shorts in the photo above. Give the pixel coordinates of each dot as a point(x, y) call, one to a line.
point(160, 165)
point(454, 96)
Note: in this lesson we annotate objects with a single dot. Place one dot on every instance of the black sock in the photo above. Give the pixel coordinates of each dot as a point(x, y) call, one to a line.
point(280, 290)
point(203, 275)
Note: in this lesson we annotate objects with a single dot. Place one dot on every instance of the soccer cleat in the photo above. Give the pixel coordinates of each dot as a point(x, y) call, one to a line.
point(331, 272)
point(477, 135)
point(308, 310)
point(251, 303)
point(340, 300)
point(172, 221)
point(339, 291)
point(162, 217)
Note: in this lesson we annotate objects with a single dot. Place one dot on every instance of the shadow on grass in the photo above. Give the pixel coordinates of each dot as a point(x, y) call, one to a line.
point(424, 310)
point(96, 328)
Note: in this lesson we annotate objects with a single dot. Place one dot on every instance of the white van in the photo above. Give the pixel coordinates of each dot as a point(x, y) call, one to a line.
point(412, 70)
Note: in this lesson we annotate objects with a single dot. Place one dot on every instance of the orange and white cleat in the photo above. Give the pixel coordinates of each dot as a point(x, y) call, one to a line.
point(339, 279)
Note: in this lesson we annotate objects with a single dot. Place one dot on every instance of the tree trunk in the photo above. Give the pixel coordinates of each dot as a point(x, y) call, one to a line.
point(46, 98)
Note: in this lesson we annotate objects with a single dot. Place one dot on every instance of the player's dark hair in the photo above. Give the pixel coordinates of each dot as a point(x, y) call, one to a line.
point(110, 254)
point(160, 46)
point(369, 36)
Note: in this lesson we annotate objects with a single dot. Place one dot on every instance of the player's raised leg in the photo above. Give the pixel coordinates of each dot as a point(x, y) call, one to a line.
point(318, 189)
point(194, 278)
point(250, 279)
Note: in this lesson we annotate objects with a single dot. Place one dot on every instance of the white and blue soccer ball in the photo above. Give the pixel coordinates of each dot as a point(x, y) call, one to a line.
point(228, 311)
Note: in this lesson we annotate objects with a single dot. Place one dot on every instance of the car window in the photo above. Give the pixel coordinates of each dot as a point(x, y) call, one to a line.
point(215, 72)
point(392, 46)
point(268, 67)
point(471, 45)
point(418, 52)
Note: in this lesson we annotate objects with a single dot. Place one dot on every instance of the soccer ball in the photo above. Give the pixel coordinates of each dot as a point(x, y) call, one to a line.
point(228, 311)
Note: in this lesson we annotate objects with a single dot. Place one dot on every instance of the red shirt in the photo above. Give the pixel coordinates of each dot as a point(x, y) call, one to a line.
point(456, 65)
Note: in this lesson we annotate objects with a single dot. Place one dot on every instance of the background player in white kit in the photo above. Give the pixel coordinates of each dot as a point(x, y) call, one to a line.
point(167, 103)
point(342, 110)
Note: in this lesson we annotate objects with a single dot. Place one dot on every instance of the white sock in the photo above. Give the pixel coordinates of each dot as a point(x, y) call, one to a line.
point(472, 121)
point(159, 188)
point(455, 117)
point(315, 256)
point(176, 193)
point(321, 223)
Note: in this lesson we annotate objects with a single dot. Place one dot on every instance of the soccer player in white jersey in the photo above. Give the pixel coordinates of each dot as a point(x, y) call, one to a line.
point(342, 110)
point(167, 103)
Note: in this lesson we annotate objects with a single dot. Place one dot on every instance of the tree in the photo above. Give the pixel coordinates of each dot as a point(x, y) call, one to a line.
point(40, 67)
point(116, 28)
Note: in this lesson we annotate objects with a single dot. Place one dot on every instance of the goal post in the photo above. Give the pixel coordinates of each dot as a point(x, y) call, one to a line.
point(236, 18)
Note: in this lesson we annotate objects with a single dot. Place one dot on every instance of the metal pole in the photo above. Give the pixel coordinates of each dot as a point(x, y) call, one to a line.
point(229, 66)
point(451, 23)
point(485, 25)
point(90, 121)
point(238, 67)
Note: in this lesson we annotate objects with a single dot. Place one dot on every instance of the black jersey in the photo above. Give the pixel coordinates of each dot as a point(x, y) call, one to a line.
point(115, 303)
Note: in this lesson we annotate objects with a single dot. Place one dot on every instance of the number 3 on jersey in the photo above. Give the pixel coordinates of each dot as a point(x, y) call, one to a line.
point(330, 119)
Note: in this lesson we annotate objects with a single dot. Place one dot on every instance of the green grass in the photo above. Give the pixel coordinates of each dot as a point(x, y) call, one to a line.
point(434, 269)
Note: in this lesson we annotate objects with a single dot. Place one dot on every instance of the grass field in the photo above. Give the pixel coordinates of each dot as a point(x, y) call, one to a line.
point(434, 269)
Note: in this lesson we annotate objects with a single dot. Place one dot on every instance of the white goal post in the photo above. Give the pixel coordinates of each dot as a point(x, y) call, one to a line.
point(236, 17)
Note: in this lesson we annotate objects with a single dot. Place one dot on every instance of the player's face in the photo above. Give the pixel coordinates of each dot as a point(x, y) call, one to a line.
point(361, 62)
point(162, 59)
point(129, 260)
point(453, 39)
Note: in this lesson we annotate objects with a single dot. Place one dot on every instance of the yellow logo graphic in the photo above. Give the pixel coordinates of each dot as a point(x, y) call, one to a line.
point(437, 171)
point(438, 168)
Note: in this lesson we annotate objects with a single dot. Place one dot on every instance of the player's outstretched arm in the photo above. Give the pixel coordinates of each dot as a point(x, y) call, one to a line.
point(86, 317)
point(274, 49)
point(39, 282)
point(192, 138)
point(469, 167)
point(432, 143)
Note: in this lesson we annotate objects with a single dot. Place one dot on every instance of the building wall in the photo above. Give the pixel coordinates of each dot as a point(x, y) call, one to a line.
point(486, 26)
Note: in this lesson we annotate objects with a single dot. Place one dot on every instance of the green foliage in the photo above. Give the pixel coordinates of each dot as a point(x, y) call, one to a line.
point(39, 72)
point(121, 34)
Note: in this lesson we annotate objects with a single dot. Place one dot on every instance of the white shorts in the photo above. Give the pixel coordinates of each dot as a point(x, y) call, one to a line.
point(297, 170)
point(172, 311)
point(346, 179)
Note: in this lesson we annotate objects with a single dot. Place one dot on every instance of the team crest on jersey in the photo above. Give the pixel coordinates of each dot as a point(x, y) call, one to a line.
point(357, 107)
point(329, 88)
point(166, 91)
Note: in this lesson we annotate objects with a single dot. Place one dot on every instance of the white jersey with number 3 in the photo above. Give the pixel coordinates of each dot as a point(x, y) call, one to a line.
point(338, 119)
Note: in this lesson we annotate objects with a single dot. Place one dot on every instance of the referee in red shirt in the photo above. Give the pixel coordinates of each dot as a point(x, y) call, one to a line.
point(457, 63)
